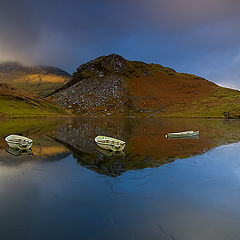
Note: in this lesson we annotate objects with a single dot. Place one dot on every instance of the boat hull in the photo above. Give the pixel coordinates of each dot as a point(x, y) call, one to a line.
point(109, 143)
point(188, 134)
point(19, 142)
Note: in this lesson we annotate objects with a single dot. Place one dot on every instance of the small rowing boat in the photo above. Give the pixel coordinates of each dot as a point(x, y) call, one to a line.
point(182, 134)
point(110, 143)
point(19, 142)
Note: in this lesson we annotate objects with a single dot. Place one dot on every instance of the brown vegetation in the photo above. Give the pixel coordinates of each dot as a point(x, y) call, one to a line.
point(143, 89)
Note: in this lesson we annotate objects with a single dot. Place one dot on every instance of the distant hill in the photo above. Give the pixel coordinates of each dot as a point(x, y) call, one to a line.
point(112, 85)
point(20, 103)
point(40, 80)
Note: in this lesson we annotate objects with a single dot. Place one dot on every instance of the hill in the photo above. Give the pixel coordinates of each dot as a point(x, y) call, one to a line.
point(40, 80)
point(20, 103)
point(112, 85)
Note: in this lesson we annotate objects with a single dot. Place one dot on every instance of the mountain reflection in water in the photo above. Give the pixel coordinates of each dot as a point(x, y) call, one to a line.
point(71, 189)
point(146, 145)
point(44, 147)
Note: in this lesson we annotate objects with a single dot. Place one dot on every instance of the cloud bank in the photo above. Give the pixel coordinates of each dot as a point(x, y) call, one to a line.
point(194, 36)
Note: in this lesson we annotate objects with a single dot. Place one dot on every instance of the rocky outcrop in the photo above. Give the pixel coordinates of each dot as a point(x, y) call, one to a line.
point(100, 86)
point(105, 64)
point(98, 94)
point(112, 85)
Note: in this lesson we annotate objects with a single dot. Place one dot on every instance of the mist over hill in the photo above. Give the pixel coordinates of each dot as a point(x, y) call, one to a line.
point(41, 80)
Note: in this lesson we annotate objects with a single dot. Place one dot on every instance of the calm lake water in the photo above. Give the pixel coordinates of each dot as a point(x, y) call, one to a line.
point(183, 189)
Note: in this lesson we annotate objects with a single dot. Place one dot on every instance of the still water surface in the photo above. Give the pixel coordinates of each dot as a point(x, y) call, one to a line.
point(158, 189)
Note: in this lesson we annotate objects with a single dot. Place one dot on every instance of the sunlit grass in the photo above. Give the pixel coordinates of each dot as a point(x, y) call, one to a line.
point(223, 102)
point(41, 84)
point(12, 108)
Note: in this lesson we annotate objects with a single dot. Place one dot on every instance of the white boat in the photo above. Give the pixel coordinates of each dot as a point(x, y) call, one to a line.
point(110, 143)
point(182, 134)
point(19, 142)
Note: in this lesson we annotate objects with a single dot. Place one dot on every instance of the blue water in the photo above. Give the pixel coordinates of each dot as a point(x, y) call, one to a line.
point(191, 198)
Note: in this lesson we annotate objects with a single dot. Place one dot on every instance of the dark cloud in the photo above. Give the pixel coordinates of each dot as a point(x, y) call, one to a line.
point(184, 34)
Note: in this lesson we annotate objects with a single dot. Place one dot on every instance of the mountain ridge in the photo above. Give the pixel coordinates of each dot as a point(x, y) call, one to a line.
point(9, 66)
point(112, 85)
point(38, 79)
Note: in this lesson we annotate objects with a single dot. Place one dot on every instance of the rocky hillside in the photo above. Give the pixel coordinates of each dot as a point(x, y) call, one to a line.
point(41, 80)
point(20, 103)
point(112, 85)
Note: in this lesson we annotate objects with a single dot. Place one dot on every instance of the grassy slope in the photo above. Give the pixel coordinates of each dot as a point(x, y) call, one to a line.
point(184, 95)
point(222, 102)
point(12, 108)
point(19, 103)
point(43, 87)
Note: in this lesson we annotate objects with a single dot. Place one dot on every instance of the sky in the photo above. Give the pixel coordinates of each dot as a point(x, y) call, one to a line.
point(193, 36)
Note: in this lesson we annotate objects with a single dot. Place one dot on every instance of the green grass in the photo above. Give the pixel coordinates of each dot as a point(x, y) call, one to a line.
point(12, 108)
point(42, 90)
point(222, 103)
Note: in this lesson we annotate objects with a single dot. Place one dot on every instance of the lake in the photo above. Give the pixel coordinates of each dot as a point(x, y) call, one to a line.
point(158, 188)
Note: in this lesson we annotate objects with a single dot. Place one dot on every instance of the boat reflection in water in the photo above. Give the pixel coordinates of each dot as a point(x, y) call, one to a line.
point(44, 149)
point(109, 153)
point(146, 145)
point(18, 152)
point(149, 191)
